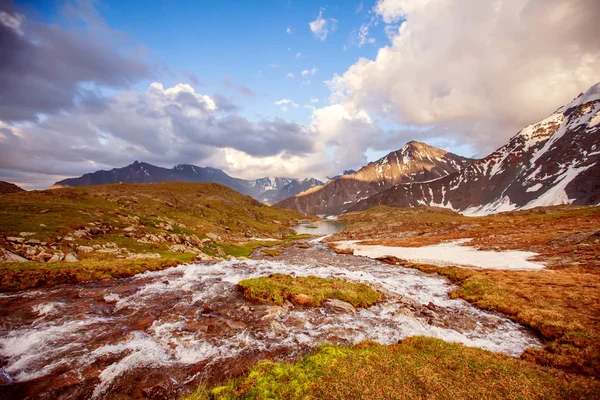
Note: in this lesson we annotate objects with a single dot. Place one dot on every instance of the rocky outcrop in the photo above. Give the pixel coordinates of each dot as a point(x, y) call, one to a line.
point(414, 162)
point(555, 161)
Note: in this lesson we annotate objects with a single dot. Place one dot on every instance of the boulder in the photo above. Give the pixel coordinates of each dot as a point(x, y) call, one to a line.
point(33, 241)
point(213, 236)
point(7, 256)
point(71, 257)
point(81, 234)
point(15, 239)
point(130, 229)
point(25, 234)
point(85, 249)
point(56, 257)
point(339, 306)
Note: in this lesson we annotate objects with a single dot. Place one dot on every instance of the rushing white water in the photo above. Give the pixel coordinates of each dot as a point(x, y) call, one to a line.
point(110, 316)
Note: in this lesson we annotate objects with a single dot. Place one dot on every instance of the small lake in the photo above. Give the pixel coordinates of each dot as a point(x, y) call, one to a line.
point(319, 227)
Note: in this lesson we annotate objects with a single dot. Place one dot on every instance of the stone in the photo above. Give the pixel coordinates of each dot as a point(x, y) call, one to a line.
point(68, 238)
point(339, 306)
point(25, 234)
point(204, 257)
point(71, 257)
point(213, 236)
point(15, 239)
point(43, 256)
point(56, 257)
point(45, 211)
point(179, 248)
point(235, 325)
point(81, 234)
point(272, 312)
point(85, 249)
point(130, 229)
point(33, 242)
point(7, 256)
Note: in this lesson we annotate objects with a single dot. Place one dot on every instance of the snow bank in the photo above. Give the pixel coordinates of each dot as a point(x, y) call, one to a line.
point(450, 253)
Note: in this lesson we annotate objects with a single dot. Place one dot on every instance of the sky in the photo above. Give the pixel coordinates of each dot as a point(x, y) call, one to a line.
point(278, 87)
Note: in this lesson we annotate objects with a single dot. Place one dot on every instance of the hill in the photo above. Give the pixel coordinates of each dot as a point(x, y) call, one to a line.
point(118, 230)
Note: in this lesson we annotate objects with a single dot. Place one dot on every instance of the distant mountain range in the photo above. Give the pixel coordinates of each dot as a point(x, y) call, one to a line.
point(267, 190)
point(555, 161)
point(415, 162)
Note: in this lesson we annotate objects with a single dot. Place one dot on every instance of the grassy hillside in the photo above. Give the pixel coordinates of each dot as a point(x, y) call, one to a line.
point(122, 229)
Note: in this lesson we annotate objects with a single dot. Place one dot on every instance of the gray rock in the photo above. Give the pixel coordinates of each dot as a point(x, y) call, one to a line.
point(71, 257)
point(7, 256)
point(339, 306)
point(85, 249)
point(213, 236)
point(56, 257)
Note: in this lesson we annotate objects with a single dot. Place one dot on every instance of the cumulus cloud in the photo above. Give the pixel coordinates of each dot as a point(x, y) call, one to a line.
point(321, 27)
point(290, 75)
point(289, 30)
point(314, 100)
point(474, 69)
point(43, 66)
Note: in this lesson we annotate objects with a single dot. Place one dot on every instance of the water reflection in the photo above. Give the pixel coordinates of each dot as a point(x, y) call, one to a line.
point(319, 227)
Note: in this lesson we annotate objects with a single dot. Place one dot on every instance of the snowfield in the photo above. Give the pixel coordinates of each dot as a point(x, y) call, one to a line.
point(447, 254)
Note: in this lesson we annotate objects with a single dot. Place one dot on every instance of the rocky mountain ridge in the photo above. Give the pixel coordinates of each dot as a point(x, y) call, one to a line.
point(552, 162)
point(414, 162)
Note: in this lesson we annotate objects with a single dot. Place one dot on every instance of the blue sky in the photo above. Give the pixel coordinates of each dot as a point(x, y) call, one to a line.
point(96, 84)
point(244, 42)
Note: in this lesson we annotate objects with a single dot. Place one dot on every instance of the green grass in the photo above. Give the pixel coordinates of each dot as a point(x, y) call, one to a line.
point(417, 368)
point(246, 249)
point(190, 209)
point(310, 290)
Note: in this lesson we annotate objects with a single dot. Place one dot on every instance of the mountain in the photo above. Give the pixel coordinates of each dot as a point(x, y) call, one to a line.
point(270, 189)
point(266, 190)
point(7, 187)
point(554, 161)
point(414, 162)
point(346, 172)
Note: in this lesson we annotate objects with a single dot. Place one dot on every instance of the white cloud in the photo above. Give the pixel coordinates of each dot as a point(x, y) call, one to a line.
point(314, 100)
point(363, 36)
point(163, 126)
point(274, 65)
point(309, 72)
point(290, 75)
point(289, 31)
point(479, 70)
point(298, 56)
point(284, 103)
point(321, 26)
